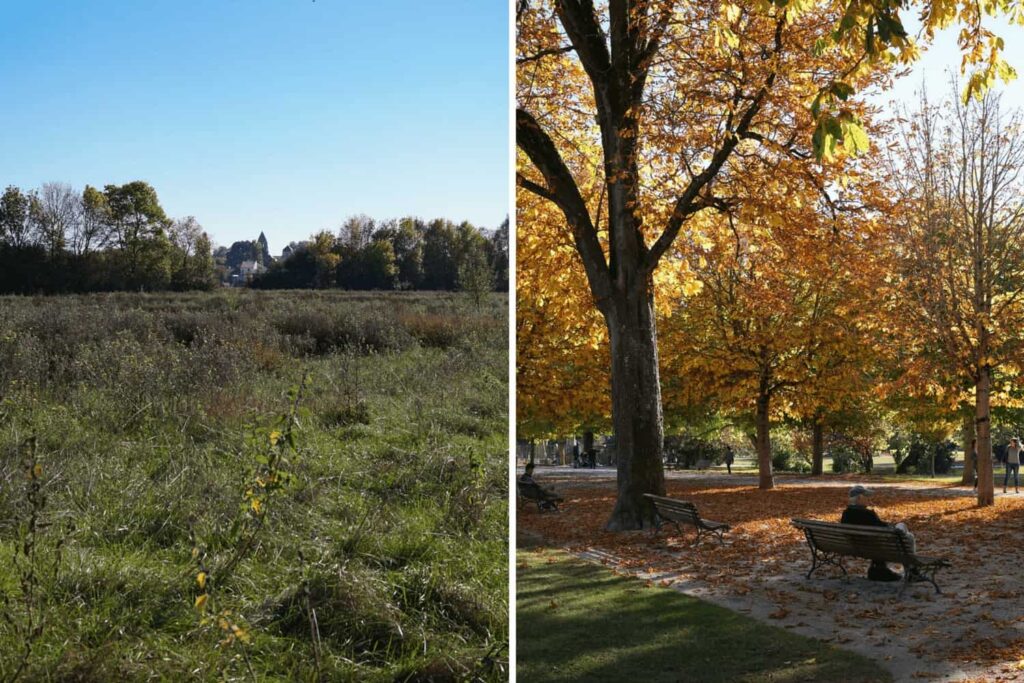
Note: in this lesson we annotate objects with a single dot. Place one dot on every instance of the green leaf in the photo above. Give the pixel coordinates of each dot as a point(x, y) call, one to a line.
point(855, 138)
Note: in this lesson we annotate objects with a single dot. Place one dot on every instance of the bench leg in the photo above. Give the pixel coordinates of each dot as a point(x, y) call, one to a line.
point(919, 575)
point(820, 559)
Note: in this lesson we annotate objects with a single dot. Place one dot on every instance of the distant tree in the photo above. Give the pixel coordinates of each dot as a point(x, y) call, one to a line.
point(322, 247)
point(499, 256)
point(139, 226)
point(407, 242)
point(193, 267)
point(476, 275)
point(56, 212)
point(440, 255)
point(92, 230)
point(15, 220)
point(356, 232)
point(371, 267)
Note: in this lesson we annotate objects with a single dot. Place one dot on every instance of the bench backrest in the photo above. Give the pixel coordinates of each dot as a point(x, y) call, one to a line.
point(869, 542)
point(676, 510)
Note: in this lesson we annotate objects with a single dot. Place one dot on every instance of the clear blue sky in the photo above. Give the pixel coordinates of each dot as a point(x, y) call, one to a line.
point(277, 115)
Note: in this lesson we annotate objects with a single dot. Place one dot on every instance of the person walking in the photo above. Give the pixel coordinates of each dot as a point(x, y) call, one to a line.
point(1012, 464)
point(729, 459)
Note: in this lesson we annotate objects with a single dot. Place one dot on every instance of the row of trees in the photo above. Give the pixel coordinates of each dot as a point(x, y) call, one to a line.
point(406, 253)
point(57, 239)
point(745, 253)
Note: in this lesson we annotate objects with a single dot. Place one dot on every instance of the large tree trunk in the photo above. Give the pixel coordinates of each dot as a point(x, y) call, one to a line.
point(764, 444)
point(986, 484)
point(968, 475)
point(817, 447)
point(636, 410)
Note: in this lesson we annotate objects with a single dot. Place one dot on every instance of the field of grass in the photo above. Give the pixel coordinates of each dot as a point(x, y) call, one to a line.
point(576, 621)
point(163, 518)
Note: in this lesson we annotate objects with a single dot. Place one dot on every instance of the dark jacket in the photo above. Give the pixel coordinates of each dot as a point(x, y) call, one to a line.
point(859, 514)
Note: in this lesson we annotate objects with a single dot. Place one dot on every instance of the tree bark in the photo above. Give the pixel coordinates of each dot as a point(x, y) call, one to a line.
point(986, 483)
point(533, 450)
point(636, 410)
point(766, 479)
point(817, 447)
point(969, 464)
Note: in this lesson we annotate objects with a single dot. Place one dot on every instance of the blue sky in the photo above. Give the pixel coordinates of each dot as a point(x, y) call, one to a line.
point(277, 115)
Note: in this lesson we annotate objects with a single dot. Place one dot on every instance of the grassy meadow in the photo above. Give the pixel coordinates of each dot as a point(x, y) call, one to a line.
point(177, 503)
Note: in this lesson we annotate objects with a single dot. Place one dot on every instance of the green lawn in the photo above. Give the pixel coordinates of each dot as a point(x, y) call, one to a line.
point(579, 622)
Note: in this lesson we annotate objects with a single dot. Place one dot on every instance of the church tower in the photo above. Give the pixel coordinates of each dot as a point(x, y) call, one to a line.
point(264, 249)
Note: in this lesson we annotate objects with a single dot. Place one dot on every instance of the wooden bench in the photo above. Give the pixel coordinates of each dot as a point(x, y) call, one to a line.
point(676, 511)
point(831, 542)
point(535, 493)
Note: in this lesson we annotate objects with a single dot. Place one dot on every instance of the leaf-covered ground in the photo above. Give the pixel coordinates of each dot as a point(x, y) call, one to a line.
point(972, 631)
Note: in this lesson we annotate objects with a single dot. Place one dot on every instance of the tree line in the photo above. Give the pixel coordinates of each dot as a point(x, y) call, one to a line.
point(56, 239)
point(406, 253)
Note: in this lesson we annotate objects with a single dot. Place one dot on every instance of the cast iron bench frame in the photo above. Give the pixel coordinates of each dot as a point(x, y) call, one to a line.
point(831, 542)
point(674, 511)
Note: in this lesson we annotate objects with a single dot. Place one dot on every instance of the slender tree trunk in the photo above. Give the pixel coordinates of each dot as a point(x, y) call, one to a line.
point(636, 410)
point(986, 483)
point(766, 480)
point(817, 447)
point(533, 450)
point(969, 464)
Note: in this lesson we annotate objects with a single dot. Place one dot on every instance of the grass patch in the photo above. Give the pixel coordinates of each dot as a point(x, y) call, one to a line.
point(384, 558)
point(579, 622)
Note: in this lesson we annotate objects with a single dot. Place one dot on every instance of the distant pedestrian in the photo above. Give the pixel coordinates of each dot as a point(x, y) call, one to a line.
point(1012, 465)
point(729, 459)
point(974, 460)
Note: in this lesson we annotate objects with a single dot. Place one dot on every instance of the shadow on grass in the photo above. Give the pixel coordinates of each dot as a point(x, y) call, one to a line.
point(577, 621)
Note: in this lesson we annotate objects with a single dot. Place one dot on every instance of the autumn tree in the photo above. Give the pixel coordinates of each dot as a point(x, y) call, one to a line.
point(684, 96)
point(961, 245)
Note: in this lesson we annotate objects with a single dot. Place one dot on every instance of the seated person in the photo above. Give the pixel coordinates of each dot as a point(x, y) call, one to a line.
point(527, 478)
point(858, 513)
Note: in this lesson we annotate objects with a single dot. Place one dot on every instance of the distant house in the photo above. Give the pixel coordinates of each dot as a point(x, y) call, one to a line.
point(286, 252)
point(249, 268)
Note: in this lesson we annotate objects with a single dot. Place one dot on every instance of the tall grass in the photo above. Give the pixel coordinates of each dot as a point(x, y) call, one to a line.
point(383, 558)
